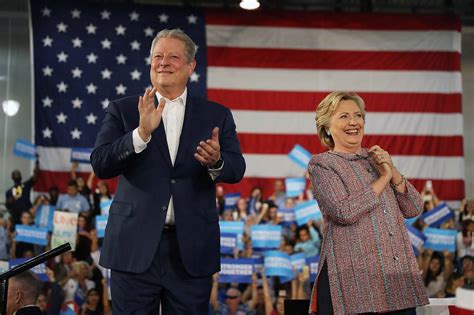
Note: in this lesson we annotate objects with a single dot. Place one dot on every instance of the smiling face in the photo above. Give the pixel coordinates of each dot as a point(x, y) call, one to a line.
point(347, 127)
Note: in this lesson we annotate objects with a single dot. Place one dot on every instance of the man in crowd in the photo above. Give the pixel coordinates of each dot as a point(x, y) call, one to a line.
point(73, 201)
point(23, 290)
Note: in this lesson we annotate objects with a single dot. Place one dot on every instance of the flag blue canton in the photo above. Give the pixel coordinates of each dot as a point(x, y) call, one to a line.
point(88, 55)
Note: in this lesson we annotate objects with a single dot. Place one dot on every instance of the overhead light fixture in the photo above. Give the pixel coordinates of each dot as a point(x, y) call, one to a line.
point(10, 107)
point(249, 4)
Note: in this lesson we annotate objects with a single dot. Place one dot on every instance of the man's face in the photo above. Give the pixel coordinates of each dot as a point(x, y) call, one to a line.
point(13, 298)
point(16, 176)
point(71, 190)
point(170, 68)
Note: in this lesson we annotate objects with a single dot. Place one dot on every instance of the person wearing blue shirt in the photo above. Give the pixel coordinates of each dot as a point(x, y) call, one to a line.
point(73, 201)
point(308, 240)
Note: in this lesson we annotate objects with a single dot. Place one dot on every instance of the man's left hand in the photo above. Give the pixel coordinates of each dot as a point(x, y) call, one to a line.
point(209, 152)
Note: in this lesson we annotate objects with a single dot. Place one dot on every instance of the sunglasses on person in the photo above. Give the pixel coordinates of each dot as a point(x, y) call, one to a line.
point(232, 296)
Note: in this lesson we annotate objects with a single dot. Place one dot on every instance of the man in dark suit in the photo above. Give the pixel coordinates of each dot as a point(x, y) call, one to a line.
point(23, 290)
point(162, 236)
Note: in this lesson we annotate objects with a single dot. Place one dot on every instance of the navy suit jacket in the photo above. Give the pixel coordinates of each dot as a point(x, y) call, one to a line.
point(147, 180)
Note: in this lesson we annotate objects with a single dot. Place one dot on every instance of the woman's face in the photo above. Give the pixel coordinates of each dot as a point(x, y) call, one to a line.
point(242, 204)
point(81, 222)
point(435, 265)
point(41, 302)
point(347, 127)
point(93, 297)
point(26, 218)
point(102, 188)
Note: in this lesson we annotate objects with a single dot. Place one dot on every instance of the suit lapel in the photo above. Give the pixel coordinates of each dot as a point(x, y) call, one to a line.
point(159, 138)
point(186, 133)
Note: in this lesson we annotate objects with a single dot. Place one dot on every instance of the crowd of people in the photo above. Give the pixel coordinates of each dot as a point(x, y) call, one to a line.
point(75, 279)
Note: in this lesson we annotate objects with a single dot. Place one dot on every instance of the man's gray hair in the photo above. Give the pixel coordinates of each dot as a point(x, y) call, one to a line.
point(189, 45)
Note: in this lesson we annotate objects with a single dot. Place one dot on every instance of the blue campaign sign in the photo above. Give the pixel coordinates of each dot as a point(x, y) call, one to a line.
point(298, 261)
point(278, 264)
point(231, 200)
point(105, 207)
point(440, 239)
point(236, 270)
point(410, 221)
point(300, 156)
point(236, 227)
point(436, 216)
point(44, 217)
point(25, 149)
point(306, 211)
point(31, 234)
point(81, 155)
point(228, 243)
point(265, 236)
point(100, 224)
point(313, 263)
point(287, 216)
point(257, 264)
point(295, 186)
point(39, 270)
point(417, 238)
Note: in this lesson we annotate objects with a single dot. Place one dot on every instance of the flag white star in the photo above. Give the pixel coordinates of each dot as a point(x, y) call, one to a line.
point(47, 133)
point(91, 118)
point(76, 72)
point(134, 16)
point(76, 134)
point(106, 74)
point(61, 118)
point(135, 74)
point(76, 14)
point(62, 57)
point(62, 28)
point(91, 29)
point(163, 18)
point(135, 45)
point(120, 30)
point(192, 19)
point(47, 71)
point(194, 77)
point(147, 60)
point(76, 103)
point(148, 32)
point(120, 89)
point(46, 11)
point(47, 41)
point(47, 102)
point(62, 87)
point(91, 88)
point(92, 58)
point(105, 103)
point(105, 15)
point(76, 42)
point(106, 43)
point(121, 59)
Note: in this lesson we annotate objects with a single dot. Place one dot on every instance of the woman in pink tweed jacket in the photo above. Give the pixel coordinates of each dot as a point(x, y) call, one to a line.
point(366, 262)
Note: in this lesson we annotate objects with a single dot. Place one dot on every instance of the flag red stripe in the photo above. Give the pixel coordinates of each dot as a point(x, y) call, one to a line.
point(332, 59)
point(334, 20)
point(307, 101)
point(396, 145)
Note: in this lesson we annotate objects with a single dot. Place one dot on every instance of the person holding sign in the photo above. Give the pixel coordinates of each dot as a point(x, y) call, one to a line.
point(367, 262)
point(168, 149)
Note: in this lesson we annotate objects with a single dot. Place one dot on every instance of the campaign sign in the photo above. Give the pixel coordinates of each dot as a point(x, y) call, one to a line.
point(81, 155)
point(278, 264)
point(300, 156)
point(313, 263)
point(416, 237)
point(100, 224)
point(295, 186)
point(298, 261)
point(228, 243)
point(265, 236)
point(440, 240)
point(257, 264)
point(105, 207)
point(436, 216)
point(287, 216)
point(236, 227)
point(236, 270)
point(31, 234)
point(306, 211)
point(410, 221)
point(44, 217)
point(230, 200)
point(39, 270)
point(65, 229)
point(25, 149)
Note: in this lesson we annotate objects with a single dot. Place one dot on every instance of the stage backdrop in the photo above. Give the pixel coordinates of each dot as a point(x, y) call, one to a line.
point(271, 69)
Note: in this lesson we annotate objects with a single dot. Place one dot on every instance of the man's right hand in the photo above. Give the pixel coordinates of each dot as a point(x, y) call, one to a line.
point(150, 117)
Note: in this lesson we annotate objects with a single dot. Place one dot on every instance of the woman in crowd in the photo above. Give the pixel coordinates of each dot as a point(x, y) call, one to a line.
point(433, 275)
point(367, 262)
point(78, 283)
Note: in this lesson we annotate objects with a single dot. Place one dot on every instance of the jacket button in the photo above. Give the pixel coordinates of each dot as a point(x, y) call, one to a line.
point(173, 181)
point(395, 258)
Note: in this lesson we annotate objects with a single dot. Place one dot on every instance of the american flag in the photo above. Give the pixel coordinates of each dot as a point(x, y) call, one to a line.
point(272, 69)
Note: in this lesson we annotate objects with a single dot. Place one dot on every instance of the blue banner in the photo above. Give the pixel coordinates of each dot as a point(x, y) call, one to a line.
point(410, 221)
point(306, 211)
point(231, 200)
point(257, 264)
point(235, 227)
point(105, 207)
point(100, 224)
point(313, 263)
point(295, 186)
point(31, 234)
point(436, 216)
point(278, 264)
point(25, 149)
point(39, 270)
point(440, 240)
point(265, 236)
point(236, 270)
point(300, 156)
point(44, 217)
point(81, 155)
point(417, 238)
point(298, 261)
point(287, 216)
point(228, 243)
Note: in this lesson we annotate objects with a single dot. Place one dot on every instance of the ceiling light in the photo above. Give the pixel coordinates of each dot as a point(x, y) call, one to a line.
point(249, 4)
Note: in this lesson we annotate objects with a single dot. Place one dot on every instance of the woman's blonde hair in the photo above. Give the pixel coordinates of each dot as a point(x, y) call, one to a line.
point(326, 110)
